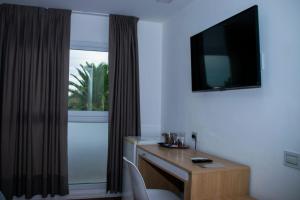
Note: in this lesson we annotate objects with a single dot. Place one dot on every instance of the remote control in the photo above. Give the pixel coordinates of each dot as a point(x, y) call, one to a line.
point(201, 160)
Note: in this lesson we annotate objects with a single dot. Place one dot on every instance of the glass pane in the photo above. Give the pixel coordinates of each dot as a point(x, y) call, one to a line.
point(88, 80)
point(87, 153)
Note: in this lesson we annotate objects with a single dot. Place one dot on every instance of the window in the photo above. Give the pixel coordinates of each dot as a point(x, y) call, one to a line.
point(88, 113)
point(88, 81)
point(88, 84)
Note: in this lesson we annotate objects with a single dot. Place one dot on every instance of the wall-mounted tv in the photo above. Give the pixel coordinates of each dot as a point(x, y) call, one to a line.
point(227, 55)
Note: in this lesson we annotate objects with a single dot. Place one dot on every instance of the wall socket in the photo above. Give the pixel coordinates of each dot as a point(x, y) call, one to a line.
point(292, 159)
point(194, 136)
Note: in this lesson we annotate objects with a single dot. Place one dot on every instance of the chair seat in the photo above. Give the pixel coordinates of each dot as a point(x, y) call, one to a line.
point(156, 194)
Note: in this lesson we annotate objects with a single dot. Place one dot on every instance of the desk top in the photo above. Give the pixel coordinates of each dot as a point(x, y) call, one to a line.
point(182, 159)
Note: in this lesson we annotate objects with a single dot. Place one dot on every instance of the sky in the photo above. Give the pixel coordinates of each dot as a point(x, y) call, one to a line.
point(78, 57)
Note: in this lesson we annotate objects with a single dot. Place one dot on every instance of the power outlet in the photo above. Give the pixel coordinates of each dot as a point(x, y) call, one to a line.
point(292, 159)
point(194, 136)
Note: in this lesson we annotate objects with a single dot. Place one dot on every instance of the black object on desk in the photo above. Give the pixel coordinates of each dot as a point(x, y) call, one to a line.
point(201, 160)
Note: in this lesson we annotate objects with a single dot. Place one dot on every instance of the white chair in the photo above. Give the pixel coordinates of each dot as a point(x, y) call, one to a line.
point(139, 189)
point(1, 196)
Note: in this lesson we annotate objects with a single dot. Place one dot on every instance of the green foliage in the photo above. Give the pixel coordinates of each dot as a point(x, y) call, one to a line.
point(81, 97)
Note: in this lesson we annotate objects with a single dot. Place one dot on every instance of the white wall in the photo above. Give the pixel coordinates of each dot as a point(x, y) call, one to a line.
point(94, 30)
point(150, 61)
point(251, 126)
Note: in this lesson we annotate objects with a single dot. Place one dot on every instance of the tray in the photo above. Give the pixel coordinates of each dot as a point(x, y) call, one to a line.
point(172, 146)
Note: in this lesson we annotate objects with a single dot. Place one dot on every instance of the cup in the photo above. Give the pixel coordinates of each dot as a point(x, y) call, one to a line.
point(181, 140)
point(167, 137)
point(173, 138)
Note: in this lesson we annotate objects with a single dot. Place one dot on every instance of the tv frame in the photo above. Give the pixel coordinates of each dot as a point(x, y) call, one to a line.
point(258, 54)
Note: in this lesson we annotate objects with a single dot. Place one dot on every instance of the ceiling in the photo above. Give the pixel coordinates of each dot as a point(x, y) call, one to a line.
point(144, 9)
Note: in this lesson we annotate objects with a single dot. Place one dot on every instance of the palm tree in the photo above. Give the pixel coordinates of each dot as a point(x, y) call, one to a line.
point(90, 90)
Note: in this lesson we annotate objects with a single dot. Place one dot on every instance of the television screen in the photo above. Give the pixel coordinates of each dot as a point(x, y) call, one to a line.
point(227, 56)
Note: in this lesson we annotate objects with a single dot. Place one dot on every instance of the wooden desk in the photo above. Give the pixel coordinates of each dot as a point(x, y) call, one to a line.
point(173, 170)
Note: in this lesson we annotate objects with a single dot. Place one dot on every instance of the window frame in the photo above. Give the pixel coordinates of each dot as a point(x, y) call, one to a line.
point(88, 116)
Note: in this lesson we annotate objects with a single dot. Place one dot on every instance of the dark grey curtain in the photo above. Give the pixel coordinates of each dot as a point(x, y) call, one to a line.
point(124, 111)
point(34, 57)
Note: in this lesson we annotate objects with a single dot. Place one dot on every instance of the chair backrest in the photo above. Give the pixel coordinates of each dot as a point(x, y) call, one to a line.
point(2, 196)
point(137, 181)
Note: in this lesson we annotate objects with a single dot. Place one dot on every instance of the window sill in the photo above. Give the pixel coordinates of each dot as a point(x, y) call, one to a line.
point(87, 116)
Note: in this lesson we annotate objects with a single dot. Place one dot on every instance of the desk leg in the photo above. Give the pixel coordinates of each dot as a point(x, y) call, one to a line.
point(187, 190)
point(230, 184)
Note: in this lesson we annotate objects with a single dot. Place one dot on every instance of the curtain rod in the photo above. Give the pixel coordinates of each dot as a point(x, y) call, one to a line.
point(90, 13)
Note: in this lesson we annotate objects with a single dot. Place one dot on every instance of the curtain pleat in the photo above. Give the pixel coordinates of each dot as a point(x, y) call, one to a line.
point(124, 98)
point(34, 64)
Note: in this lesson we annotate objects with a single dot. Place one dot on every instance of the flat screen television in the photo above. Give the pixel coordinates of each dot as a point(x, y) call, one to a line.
point(227, 55)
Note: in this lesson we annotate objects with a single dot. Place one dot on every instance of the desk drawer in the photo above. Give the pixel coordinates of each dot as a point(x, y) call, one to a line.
point(164, 165)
